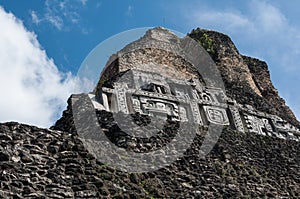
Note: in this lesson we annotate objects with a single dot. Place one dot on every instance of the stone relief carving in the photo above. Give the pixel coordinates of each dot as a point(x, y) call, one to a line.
point(258, 125)
point(206, 98)
point(282, 125)
point(237, 120)
point(152, 107)
point(153, 95)
point(196, 113)
point(182, 113)
point(216, 115)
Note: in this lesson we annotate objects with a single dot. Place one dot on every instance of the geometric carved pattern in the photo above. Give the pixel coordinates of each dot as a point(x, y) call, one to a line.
point(216, 115)
point(152, 106)
point(258, 125)
point(122, 102)
point(206, 97)
point(196, 113)
point(281, 124)
point(238, 123)
point(180, 100)
point(251, 123)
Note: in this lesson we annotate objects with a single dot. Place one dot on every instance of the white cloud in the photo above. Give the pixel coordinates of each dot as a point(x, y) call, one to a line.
point(129, 10)
point(56, 21)
point(233, 21)
point(60, 4)
point(83, 2)
point(35, 19)
point(267, 17)
point(60, 14)
point(32, 89)
point(260, 24)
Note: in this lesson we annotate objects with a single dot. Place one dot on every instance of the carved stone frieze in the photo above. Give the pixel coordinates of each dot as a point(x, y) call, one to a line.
point(152, 94)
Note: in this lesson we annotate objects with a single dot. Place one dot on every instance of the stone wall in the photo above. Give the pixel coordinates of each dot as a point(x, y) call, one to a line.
point(151, 93)
point(168, 64)
point(37, 163)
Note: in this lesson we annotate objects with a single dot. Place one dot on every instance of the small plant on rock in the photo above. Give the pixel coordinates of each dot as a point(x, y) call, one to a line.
point(206, 43)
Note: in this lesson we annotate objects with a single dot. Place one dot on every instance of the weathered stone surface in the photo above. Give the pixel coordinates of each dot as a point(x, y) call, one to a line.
point(261, 75)
point(54, 163)
point(247, 80)
point(152, 81)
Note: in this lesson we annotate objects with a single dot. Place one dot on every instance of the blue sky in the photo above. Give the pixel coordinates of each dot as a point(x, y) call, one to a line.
point(43, 43)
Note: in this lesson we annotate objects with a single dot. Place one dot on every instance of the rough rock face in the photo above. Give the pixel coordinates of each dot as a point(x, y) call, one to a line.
point(244, 76)
point(55, 162)
point(261, 76)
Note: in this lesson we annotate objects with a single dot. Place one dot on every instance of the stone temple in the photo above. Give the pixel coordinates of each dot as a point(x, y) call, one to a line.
point(148, 78)
point(161, 78)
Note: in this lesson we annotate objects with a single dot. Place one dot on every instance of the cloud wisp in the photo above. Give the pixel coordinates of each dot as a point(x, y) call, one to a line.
point(129, 11)
point(32, 89)
point(60, 14)
point(35, 19)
